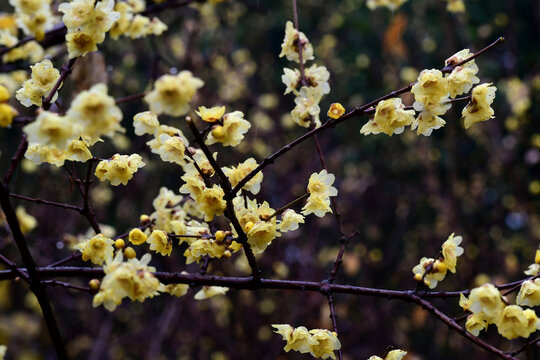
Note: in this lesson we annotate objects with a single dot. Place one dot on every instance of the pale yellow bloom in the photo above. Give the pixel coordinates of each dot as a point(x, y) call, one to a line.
point(172, 93)
point(390, 4)
point(292, 40)
point(50, 129)
point(431, 92)
point(203, 247)
point(307, 110)
point(451, 250)
point(320, 189)
point(395, 355)
point(515, 322)
point(210, 291)
point(431, 278)
point(463, 77)
point(485, 299)
point(254, 220)
point(44, 77)
point(160, 243)
point(77, 150)
point(476, 323)
point(119, 169)
point(390, 118)
point(177, 290)
point(211, 202)
point(145, 123)
point(236, 174)
point(529, 293)
point(290, 220)
point(479, 108)
point(327, 343)
point(98, 249)
point(38, 154)
point(231, 132)
point(26, 221)
point(211, 114)
point(426, 122)
point(298, 339)
point(315, 77)
point(7, 113)
point(172, 149)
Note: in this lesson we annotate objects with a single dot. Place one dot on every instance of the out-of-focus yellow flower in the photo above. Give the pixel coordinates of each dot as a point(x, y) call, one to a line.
point(515, 322)
point(27, 222)
point(210, 291)
point(38, 154)
point(455, 6)
point(159, 242)
point(390, 4)
point(3, 350)
point(231, 132)
point(119, 169)
point(50, 129)
point(293, 39)
point(177, 290)
point(529, 293)
point(34, 17)
point(390, 118)
point(479, 108)
point(98, 249)
point(77, 150)
point(7, 113)
point(172, 93)
point(145, 123)
point(211, 115)
point(336, 111)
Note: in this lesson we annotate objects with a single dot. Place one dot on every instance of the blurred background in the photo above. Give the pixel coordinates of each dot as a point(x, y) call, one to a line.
point(405, 194)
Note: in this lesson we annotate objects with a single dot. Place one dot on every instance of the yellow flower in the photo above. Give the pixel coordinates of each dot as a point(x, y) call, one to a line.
point(291, 42)
point(177, 290)
point(119, 169)
point(307, 110)
point(537, 257)
point(476, 323)
point(3, 349)
point(431, 92)
point(4, 94)
point(315, 77)
point(160, 243)
point(426, 122)
point(44, 77)
point(290, 220)
point(455, 6)
point(390, 118)
point(451, 250)
point(132, 278)
point(485, 299)
point(479, 108)
point(211, 202)
point(98, 249)
point(211, 114)
point(462, 78)
point(395, 355)
point(434, 276)
point(336, 111)
point(172, 149)
point(7, 113)
point(210, 291)
point(96, 113)
point(254, 220)
point(50, 129)
point(529, 293)
point(236, 174)
point(172, 93)
point(26, 221)
point(298, 339)
point(77, 150)
point(137, 237)
point(232, 132)
point(202, 247)
point(145, 122)
point(320, 189)
point(38, 154)
point(390, 4)
point(515, 322)
point(327, 343)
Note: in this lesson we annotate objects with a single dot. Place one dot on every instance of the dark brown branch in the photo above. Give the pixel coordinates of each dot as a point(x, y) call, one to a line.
point(46, 202)
point(130, 98)
point(525, 346)
point(67, 68)
point(35, 278)
point(449, 69)
point(19, 153)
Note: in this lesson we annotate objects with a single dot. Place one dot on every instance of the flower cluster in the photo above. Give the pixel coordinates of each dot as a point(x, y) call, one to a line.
point(487, 307)
point(320, 343)
point(34, 17)
point(87, 22)
point(30, 50)
point(135, 25)
point(433, 92)
point(119, 169)
point(431, 271)
point(309, 88)
point(7, 112)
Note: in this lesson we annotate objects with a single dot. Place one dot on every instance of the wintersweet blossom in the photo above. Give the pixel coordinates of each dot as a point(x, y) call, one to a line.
point(451, 250)
point(529, 293)
point(211, 115)
point(293, 39)
point(431, 92)
point(145, 123)
point(426, 122)
point(485, 299)
point(307, 110)
point(177, 290)
point(476, 323)
point(336, 111)
point(236, 174)
point(320, 190)
point(463, 77)
point(137, 237)
point(390, 4)
point(211, 202)
point(298, 339)
point(172, 93)
point(479, 108)
point(290, 220)
point(327, 343)
point(314, 76)
point(98, 249)
point(256, 222)
point(231, 132)
point(119, 169)
point(431, 278)
point(515, 322)
point(7, 113)
point(44, 77)
point(50, 129)
point(159, 242)
point(390, 118)
point(210, 291)
point(77, 150)
point(26, 221)
point(204, 247)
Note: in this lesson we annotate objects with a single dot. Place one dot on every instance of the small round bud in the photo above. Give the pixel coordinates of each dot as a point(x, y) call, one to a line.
point(144, 219)
point(218, 132)
point(537, 257)
point(94, 284)
point(120, 244)
point(227, 253)
point(440, 267)
point(336, 111)
point(248, 226)
point(418, 277)
point(129, 253)
point(220, 236)
point(137, 237)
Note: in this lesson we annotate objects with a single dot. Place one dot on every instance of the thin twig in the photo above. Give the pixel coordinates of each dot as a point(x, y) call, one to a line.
point(46, 202)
